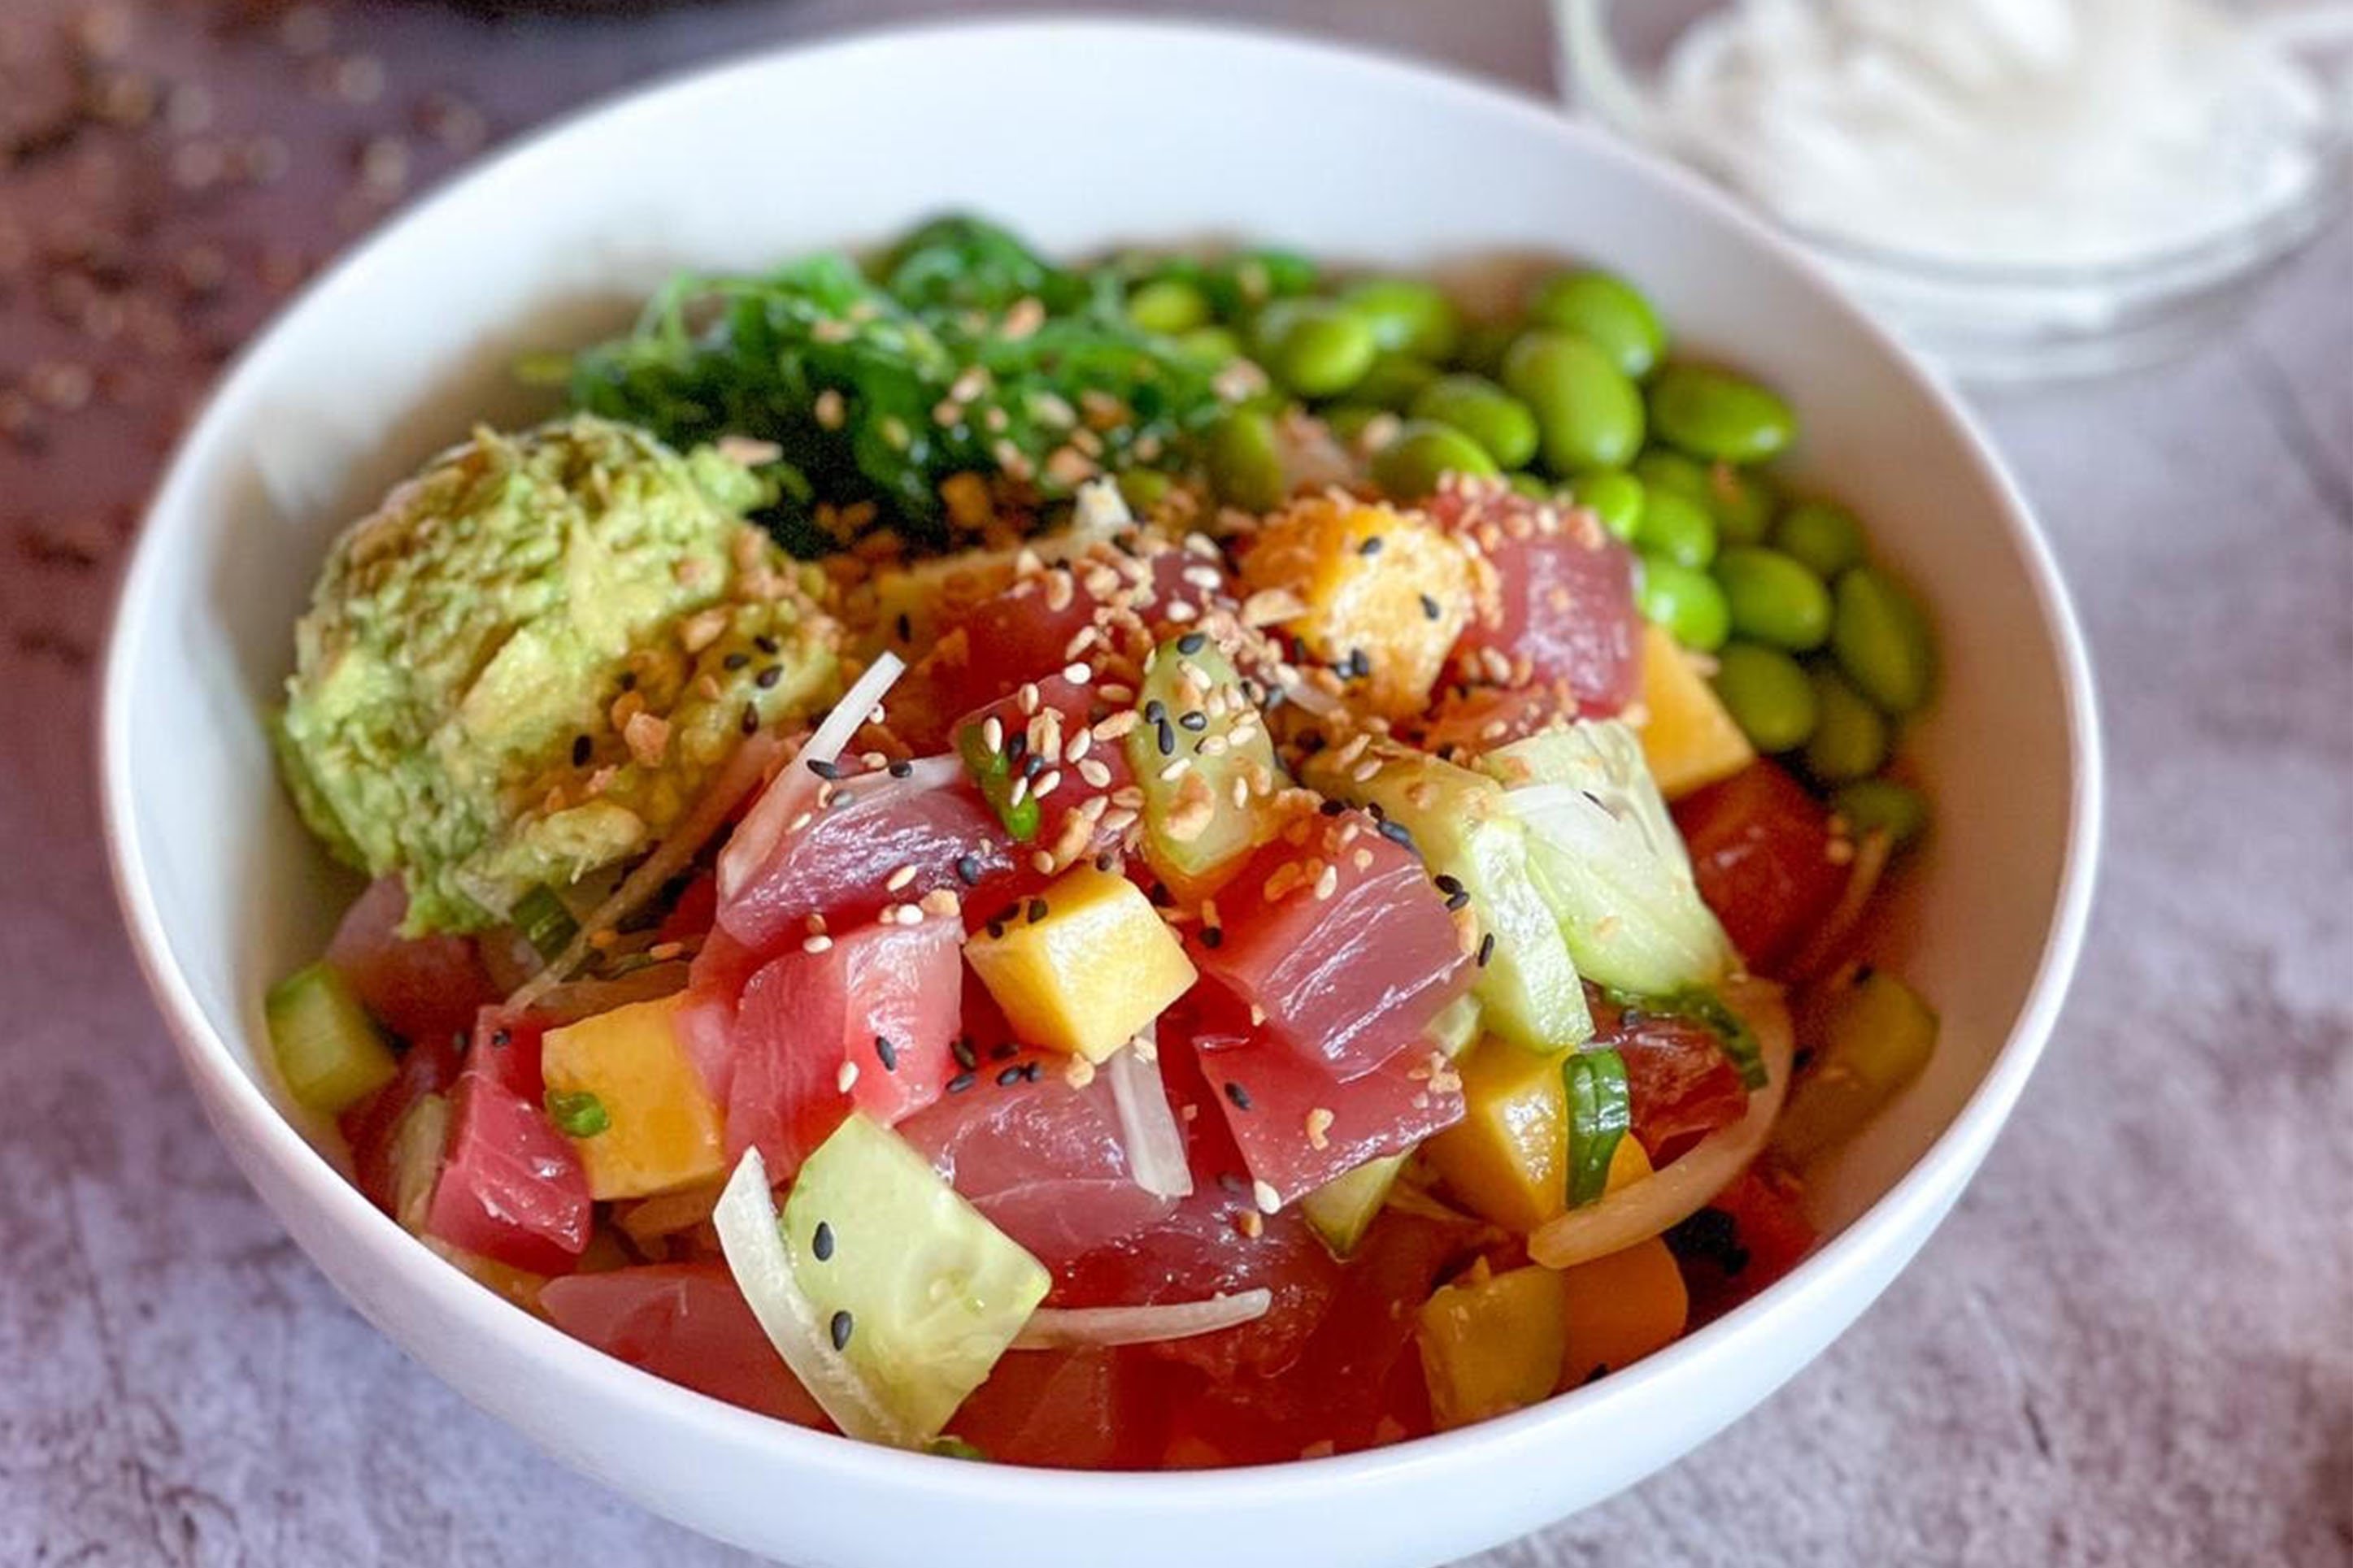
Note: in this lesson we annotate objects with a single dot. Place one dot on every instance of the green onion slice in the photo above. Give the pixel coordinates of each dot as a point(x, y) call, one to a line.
point(1600, 1112)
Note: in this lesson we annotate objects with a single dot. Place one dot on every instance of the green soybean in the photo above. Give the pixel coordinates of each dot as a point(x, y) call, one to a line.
point(1211, 346)
point(1768, 695)
point(1314, 347)
point(1614, 497)
point(1246, 279)
point(1588, 414)
point(1849, 739)
point(1668, 470)
point(1393, 381)
point(1482, 345)
point(1144, 489)
point(1880, 639)
point(1822, 534)
point(1534, 486)
point(1742, 503)
point(1408, 467)
point(1407, 315)
point(1676, 527)
point(1883, 806)
point(1168, 306)
point(1713, 413)
point(1485, 412)
point(1773, 599)
point(1607, 311)
point(1245, 467)
point(1684, 601)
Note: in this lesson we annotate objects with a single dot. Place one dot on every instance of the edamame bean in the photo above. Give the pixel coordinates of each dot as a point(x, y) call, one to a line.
point(1614, 497)
point(1766, 694)
point(1850, 739)
point(1407, 468)
point(1407, 315)
point(1313, 347)
point(1686, 601)
point(1674, 526)
point(1742, 503)
point(1144, 489)
point(1588, 414)
point(1712, 413)
point(1245, 466)
point(1773, 599)
point(1485, 412)
point(1533, 487)
point(1822, 536)
point(1880, 639)
point(1168, 306)
point(1483, 345)
point(1393, 381)
point(1606, 309)
point(1243, 281)
point(1213, 346)
point(1876, 805)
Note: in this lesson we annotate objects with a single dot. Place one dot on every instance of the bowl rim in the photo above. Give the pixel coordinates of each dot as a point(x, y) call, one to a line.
point(1843, 1267)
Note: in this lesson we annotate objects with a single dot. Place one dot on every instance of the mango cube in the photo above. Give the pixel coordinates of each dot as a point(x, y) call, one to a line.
point(1507, 1159)
point(1620, 1307)
point(1688, 738)
point(1492, 1344)
point(1369, 581)
point(1082, 967)
point(662, 1129)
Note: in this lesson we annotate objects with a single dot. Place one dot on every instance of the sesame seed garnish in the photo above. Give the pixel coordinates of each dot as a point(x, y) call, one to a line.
point(1430, 609)
point(1396, 833)
point(967, 869)
point(766, 680)
point(823, 770)
point(1319, 1128)
point(1195, 720)
point(1213, 936)
point(1486, 949)
point(750, 722)
point(962, 1081)
point(1048, 782)
point(1192, 642)
point(1009, 1076)
point(767, 645)
point(886, 1053)
point(992, 734)
point(840, 1328)
point(846, 1079)
point(819, 944)
point(1004, 1051)
point(1371, 546)
point(1031, 1070)
point(1266, 1197)
point(821, 1244)
point(961, 1049)
point(1238, 1094)
point(1077, 672)
point(899, 879)
point(1035, 910)
point(901, 769)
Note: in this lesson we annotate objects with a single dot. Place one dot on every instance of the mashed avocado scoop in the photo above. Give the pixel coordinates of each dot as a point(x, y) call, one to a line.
point(530, 660)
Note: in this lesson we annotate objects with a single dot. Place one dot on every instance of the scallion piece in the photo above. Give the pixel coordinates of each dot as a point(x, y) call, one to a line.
point(1600, 1112)
point(544, 922)
point(993, 771)
point(576, 1112)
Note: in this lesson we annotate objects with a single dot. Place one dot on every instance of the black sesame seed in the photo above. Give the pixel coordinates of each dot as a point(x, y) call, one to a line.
point(766, 680)
point(750, 722)
point(1486, 949)
point(1213, 936)
point(629, 680)
point(1395, 832)
point(886, 1053)
point(767, 645)
point(1275, 698)
point(821, 1244)
point(1457, 899)
point(841, 799)
point(961, 1049)
point(736, 660)
point(906, 627)
point(967, 870)
point(995, 929)
point(1447, 884)
point(901, 769)
point(1017, 747)
point(1009, 1076)
point(1030, 1071)
point(1032, 766)
point(840, 1329)
point(1195, 720)
point(1160, 896)
point(501, 1039)
point(962, 1081)
point(1238, 1094)
point(1429, 608)
point(1371, 546)
point(1192, 642)
point(1107, 861)
point(1155, 711)
point(1166, 738)
point(581, 747)
point(823, 769)
point(1333, 807)
point(1035, 910)
point(1004, 1051)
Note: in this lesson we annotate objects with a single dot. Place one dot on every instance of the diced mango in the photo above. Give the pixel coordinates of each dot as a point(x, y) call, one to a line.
point(662, 1129)
point(1507, 1159)
point(1620, 1307)
point(517, 1285)
point(1627, 1165)
point(1373, 581)
point(1094, 965)
point(1688, 738)
point(1492, 1344)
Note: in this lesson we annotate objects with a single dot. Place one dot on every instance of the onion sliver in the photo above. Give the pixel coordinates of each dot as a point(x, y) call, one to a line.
point(1154, 1143)
point(756, 836)
point(1053, 1327)
point(1820, 954)
point(1670, 1195)
point(745, 1218)
point(740, 776)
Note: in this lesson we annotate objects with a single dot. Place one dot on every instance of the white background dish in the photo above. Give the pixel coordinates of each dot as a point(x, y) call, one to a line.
point(1079, 134)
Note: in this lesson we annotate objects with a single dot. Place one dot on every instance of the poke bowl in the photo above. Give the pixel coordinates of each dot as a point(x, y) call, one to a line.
point(1331, 830)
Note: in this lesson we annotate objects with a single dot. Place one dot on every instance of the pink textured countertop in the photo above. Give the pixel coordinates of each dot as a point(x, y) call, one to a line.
point(2132, 1343)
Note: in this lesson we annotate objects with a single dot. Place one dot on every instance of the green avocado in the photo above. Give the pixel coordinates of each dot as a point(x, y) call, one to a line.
point(527, 663)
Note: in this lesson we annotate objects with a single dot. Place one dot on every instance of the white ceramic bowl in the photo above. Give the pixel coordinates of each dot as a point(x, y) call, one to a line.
point(1079, 135)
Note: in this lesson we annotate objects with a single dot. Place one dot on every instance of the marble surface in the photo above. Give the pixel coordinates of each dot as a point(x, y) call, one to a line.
point(2133, 1341)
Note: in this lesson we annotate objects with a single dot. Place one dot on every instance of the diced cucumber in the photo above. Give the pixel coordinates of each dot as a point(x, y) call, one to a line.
point(1609, 861)
point(1193, 707)
point(916, 1293)
point(329, 1050)
point(1875, 1036)
point(1527, 982)
point(418, 1145)
point(1342, 1209)
point(1456, 1027)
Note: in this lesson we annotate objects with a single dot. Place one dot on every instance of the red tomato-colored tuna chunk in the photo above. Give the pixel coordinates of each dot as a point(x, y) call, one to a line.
point(1563, 609)
point(418, 987)
point(686, 1322)
point(1089, 1408)
point(1681, 1085)
point(511, 1187)
point(1760, 850)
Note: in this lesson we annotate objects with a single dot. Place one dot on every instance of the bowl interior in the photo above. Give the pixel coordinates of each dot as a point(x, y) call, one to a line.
point(401, 349)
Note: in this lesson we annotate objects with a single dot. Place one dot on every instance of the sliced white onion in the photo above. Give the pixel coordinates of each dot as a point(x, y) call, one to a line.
point(746, 1220)
point(1825, 947)
point(1155, 1145)
point(1055, 1328)
point(1672, 1195)
point(757, 835)
point(740, 776)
